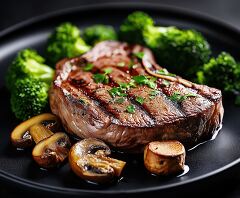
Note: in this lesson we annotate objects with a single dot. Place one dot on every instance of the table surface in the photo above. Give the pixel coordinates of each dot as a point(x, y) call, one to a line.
point(15, 11)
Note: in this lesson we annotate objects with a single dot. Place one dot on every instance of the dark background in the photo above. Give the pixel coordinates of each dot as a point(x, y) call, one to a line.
point(226, 184)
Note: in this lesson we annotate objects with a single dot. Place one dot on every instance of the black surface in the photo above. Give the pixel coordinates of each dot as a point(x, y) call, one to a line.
point(203, 161)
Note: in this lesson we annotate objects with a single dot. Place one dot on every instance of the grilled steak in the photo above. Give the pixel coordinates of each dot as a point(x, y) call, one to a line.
point(98, 95)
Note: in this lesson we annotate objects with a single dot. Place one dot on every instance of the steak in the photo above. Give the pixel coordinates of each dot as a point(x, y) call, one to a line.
point(97, 95)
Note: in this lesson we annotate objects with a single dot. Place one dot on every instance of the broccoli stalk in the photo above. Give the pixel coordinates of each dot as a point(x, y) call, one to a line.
point(29, 98)
point(97, 33)
point(174, 48)
point(65, 41)
point(28, 63)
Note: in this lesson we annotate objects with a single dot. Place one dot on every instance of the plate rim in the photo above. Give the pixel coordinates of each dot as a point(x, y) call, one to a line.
point(204, 18)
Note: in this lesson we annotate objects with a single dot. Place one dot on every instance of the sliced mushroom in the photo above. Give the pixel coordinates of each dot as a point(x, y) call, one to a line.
point(51, 149)
point(53, 125)
point(165, 157)
point(20, 136)
point(88, 159)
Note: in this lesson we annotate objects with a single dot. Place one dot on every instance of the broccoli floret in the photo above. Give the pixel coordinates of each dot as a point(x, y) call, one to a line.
point(179, 50)
point(65, 41)
point(132, 28)
point(29, 98)
point(28, 63)
point(97, 33)
point(222, 72)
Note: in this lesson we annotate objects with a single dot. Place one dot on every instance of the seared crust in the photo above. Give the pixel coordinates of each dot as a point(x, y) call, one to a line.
point(87, 109)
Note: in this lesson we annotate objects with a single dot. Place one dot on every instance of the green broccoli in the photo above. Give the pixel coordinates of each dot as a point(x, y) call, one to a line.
point(222, 72)
point(28, 63)
point(132, 28)
point(97, 33)
point(29, 98)
point(177, 49)
point(65, 41)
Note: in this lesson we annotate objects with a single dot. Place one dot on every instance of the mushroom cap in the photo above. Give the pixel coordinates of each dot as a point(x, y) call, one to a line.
point(52, 151)
point(20, 136)
point(22, 140)
point(88, 159)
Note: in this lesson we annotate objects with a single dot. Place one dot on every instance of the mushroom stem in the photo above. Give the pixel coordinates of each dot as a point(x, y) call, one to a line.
point(39, 132)
point(20, 136)
point(164, 157)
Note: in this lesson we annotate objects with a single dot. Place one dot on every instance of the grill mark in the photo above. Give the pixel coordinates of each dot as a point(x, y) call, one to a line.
point(155, 114)
point(99, 93)
point(78, 97)
point(168, 91)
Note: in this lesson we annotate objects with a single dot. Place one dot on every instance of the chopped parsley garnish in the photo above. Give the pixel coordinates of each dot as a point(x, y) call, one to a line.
point(121, 64)
point(88, 67)
point(119, 100)
point(153, 94)
point(144, 80)
point(164, 72)
point(130, 108)
point(139, 55)
point(139, 99)
point(107, 71)
point(102, 78)
point(165, 83)
point(117, 91)
point(127, 85)
point(177, 97)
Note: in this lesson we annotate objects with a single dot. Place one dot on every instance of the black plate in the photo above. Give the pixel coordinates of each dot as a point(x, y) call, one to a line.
point(206, 160)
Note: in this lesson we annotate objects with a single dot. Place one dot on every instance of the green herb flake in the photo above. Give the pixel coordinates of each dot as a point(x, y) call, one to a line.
point(144, 80)
point(88, 67)
point(165, 83)
point(164, 72)
point(177, 97)
point(121, 64)
point(154, 93)
point(139, 99)
point(99, 78)
point(151, 84)
point(139, 55)
point(102, 78)
point(140, 79)
point(107, 71)
point(119, 100)
point(127, 85)
point(116, 91)
point(130, 108)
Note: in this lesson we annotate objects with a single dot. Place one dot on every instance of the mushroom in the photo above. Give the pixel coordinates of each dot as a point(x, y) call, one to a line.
point(20, 136)
point(51, 148)
point(165, 157)
point(88, 159)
